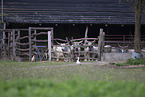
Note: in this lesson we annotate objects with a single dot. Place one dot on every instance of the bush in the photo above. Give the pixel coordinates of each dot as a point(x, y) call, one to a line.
point(136, 61)
point(73, 88)
point(130, 61)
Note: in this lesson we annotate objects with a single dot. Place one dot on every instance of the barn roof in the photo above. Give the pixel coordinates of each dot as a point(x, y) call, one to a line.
point(69, 11)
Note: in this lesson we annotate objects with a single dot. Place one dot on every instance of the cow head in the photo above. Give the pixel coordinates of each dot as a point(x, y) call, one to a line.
point(123, 49)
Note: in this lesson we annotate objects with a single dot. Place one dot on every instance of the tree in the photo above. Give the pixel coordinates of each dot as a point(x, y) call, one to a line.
point(138, 9)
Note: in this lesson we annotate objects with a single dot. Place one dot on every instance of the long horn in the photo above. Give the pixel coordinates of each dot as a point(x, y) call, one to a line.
point(57, 42)
point(80, 41)
point(126, 46)
point(119, 45)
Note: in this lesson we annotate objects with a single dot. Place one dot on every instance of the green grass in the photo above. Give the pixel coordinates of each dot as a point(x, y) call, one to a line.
point(49, 79)
point(52, 70)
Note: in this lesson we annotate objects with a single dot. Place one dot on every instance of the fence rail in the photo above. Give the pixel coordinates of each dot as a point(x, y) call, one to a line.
point(122, 39)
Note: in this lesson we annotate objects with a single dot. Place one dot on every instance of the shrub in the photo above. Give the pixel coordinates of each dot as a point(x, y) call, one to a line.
point(136, 61)
point(130, 61)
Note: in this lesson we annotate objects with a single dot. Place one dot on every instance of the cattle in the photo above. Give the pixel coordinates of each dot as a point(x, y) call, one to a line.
point(94, 52)
point(107, 49)
point(88, 47)
point(122, 49)
point(76, 49)
point(82, 48)
point(62, 51)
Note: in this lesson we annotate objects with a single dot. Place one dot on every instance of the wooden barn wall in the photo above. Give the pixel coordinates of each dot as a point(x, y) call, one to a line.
point(69, 11)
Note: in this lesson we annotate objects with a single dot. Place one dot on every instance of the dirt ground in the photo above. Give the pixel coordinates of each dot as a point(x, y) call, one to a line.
point(102, 64)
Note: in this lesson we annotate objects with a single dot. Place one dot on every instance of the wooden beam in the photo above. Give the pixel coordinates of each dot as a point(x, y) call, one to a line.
point(9, 30)
point(41, 28)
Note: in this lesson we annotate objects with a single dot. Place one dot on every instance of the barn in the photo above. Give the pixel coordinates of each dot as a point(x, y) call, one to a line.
point(68, 18)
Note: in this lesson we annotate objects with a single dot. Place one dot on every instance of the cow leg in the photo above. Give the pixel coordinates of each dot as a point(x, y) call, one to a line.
point(64, 56)
point(93, 56)
point(57, 59)
point(85, 56)
point(88, 56)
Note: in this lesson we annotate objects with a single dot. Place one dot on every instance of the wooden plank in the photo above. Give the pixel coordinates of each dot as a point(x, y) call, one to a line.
point(22, 43)
point(41, 28)
point(39, 33)
point(24, 37)
point(9, 30)
point(39, 40)
point(22, 49)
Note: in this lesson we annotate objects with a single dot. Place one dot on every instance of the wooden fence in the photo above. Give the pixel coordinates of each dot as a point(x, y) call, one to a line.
point(123, 40)
point(22, 44)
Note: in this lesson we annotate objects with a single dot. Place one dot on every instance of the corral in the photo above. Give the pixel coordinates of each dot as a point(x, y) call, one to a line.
point(40, 41)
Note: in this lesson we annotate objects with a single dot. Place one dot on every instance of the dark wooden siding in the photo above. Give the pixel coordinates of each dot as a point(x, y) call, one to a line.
point(69, 11)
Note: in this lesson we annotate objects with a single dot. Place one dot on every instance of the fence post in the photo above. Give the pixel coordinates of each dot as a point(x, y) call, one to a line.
point(4, 43)
point(14, 45)
point(100, 44)
point(18, 40)
point(49, 45)
point(11, 45)
point(30, 47)
point(9, 36)
point(86, 34)
point(4, 46)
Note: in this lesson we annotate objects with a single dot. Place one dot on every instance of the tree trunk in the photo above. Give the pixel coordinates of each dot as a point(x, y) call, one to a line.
point(137, 37)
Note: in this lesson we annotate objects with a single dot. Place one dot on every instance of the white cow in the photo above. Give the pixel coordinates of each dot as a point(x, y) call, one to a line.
point(76, 48)
point(123, 49)
point(94, 53)
point(87, 47)
point(62, 50)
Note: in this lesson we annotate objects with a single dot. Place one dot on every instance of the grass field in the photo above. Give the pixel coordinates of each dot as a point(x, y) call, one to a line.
point(59, 79)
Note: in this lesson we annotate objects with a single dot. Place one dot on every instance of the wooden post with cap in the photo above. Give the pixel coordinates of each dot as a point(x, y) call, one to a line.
point(100, 44)
point(49, 44)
